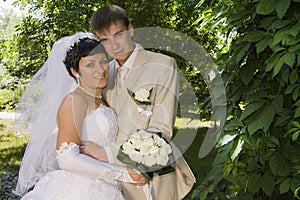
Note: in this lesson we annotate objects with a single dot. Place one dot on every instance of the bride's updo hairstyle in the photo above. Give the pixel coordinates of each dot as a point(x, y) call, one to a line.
point(85, 47)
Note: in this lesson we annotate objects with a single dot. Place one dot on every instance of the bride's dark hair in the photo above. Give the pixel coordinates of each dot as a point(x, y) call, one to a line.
point(85, 47)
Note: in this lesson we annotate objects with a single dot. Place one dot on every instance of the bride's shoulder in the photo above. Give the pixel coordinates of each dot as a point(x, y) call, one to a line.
point(72, 102)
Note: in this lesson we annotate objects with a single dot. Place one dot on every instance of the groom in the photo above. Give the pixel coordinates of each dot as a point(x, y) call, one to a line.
point(136, 69)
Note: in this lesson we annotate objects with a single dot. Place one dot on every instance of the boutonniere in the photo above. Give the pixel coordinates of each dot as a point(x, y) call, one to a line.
point(142, 98)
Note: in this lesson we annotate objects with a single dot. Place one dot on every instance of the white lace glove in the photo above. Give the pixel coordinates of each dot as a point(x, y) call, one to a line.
point(70, 159)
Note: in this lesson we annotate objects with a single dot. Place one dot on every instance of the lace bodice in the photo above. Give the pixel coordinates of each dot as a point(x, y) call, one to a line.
point(100, 126)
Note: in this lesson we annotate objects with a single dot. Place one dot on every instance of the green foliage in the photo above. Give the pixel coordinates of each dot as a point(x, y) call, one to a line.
point(9, 98)
point(260, 144)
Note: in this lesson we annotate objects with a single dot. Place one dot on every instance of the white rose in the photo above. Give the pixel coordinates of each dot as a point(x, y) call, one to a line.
point(165, 150)
point(144, 147)
point(154, 149)
point(128, 148)
point(149, 160)
point(137, 158)
point(142, 94)
point(162, 160)
point(159, 141)
point(135, 140)
point(144, 134)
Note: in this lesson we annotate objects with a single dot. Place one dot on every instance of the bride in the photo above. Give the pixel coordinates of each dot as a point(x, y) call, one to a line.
point(58, 114)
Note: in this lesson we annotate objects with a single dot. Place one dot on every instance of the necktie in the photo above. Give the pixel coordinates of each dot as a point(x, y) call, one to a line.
point(122, 72)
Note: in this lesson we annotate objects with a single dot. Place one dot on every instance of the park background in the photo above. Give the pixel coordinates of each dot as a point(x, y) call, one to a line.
point(255, 45)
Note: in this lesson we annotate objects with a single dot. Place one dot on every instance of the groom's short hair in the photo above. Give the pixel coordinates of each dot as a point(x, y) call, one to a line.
point(107, 15)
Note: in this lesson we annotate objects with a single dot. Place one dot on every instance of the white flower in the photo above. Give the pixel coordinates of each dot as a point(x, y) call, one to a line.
point(142, 95)
point(147, 148)
point(135, 140)
point(165, 150)
point(159, 141)
point(146, 113)
point(128, 148)
point(162, 160)
point(143, 134)
point(137, 157)
point(150, 160)
point(154, 149)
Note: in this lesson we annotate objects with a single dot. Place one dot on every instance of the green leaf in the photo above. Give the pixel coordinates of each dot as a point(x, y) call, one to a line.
point(261, 45)
point(295, 94)
point(265, 7)
point(237, 16)
point(247, 72)
point(254, 36)
point(295, 136)
point(278, 103)
point(282, 6)
point(294, 76)
point(297, 112)
point(290, 40)
point(278, 67)
point(242, 52)
point(280, 35)
point(279, 24)
point(251, 107)
point(233, 125)
point(254, 182)
point(290, 88)
point(285, 185)
point(257, 96)
point(277, 164)
point(294, 48)
point(262, 119)
point(267, 184)
point(294, 31)
point(271, 62)
point(266, 22)
point(297, 103)
point(282, 120)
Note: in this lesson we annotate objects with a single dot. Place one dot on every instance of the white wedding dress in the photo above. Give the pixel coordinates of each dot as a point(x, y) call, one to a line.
point(93, 181)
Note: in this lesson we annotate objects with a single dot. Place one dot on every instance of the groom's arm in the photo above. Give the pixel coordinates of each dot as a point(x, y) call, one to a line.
point(165, 101)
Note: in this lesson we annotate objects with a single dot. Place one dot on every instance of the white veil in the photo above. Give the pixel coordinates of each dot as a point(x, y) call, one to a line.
point(37, 113)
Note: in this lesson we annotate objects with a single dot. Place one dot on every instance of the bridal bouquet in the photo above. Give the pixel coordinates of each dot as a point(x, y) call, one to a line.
point(148, 153)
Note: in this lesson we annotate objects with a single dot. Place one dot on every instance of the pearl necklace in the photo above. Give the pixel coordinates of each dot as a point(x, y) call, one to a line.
point(88, 93)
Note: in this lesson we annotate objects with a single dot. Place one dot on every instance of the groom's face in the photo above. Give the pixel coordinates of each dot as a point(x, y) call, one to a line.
point(117, 40)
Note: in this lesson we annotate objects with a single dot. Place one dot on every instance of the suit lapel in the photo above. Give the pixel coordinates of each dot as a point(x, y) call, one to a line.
point(121, 94)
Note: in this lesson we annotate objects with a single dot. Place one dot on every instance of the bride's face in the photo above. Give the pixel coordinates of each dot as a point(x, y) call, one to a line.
point(93, 71)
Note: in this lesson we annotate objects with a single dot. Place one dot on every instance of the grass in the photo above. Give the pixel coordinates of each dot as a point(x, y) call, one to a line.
point(12, 149)
point(194, 133)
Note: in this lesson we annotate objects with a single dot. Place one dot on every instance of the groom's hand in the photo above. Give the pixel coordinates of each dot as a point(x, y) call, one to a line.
point(91, 149)
point(139, 179)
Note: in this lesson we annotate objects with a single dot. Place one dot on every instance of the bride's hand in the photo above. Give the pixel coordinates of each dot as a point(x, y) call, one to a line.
point(91, 149)
point(139, 179)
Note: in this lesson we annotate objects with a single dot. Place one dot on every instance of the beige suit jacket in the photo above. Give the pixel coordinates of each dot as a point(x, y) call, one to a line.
point(157, 71)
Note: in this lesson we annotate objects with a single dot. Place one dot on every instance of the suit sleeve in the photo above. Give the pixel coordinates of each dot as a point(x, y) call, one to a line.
point(165, 101)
